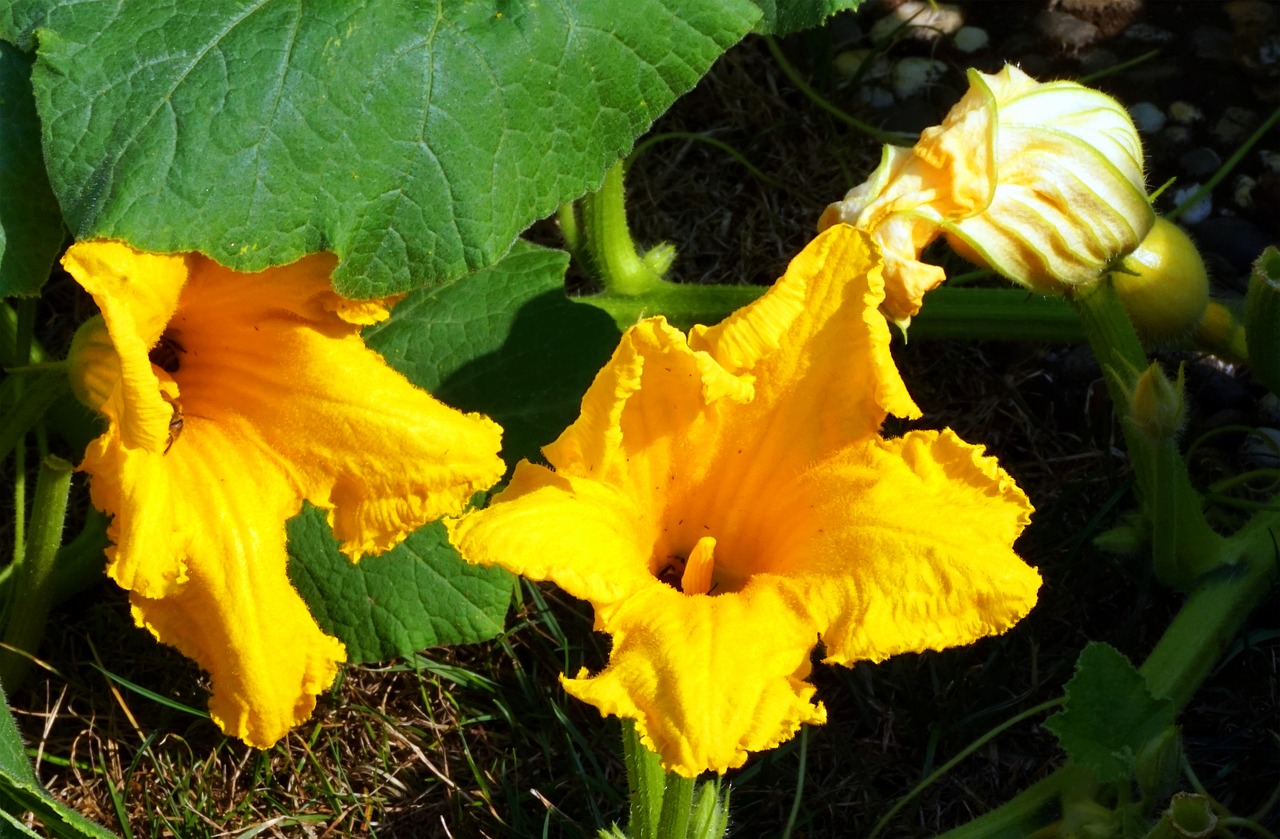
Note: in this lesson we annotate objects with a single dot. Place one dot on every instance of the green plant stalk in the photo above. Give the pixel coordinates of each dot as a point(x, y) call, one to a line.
point(950, 764)
point(677, 807)
point(617, 264)
point(892, 138)
point(645, 780)
point(710, 811)
point(1262, 319)
point(29, 610)
point(1170, 502)
point(31, 395)
point(1244, 567)
point(976, 313)
point(1226, 167)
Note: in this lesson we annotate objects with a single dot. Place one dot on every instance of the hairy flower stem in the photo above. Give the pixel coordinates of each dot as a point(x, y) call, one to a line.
point(34, 578)
point(609, 246)
point(1185, 545)
point(664, 804)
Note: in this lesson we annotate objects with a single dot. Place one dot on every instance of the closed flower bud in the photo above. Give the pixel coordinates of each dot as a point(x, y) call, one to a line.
point(1163, 284)
point(1043, 183)
point(1158, 409)
point(93, 364)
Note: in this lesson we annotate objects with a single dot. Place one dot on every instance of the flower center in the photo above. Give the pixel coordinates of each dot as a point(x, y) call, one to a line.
point(165, 354)
point(692, 575)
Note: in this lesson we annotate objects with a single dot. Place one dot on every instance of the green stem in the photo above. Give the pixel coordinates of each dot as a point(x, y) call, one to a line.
point(893, 138)
point(798, 795)
point(974, 313)
point(1186, 544)
point(34, 590)
point(645, 780)
point(613, 254)
point(1214, 612)
point(1225, 168)
point(32, 396)
point(677, 807)
point(1183, 657)
point(950, 764)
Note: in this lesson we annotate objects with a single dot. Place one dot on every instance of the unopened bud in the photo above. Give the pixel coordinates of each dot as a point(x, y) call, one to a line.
point(1158, 409)
point(93, 364)
point(1158, 765)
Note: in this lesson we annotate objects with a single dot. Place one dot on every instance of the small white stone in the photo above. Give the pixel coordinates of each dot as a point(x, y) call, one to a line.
point(1185, 113)
point(1147, 117)
point(925, 21)
point(913, 73)
point(1271, 160)
point(970, 39)
point(1198, 211)
point(1243, 193)
point(873, 96)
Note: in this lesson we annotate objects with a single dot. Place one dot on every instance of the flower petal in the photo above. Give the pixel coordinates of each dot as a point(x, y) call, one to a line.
point(586, 535)
point(204, 554)
point(137, 293)
point(880, 577)
point(707, 678)
point(819, 351)
point(354, 435)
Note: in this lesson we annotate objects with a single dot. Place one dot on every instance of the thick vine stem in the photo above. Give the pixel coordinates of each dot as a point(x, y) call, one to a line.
point(618, 266)
point(33, 590)
point(1187, 545)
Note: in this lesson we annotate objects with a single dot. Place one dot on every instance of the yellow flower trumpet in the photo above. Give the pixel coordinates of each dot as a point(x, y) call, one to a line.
point(725, 500)
point(230, 398)
point(1041, 182)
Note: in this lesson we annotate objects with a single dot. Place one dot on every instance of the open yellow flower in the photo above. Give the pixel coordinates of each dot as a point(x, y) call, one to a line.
point(230, 398)
point(1041, 182)
point(726, 500)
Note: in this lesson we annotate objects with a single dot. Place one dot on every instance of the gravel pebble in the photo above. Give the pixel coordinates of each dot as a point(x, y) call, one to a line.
point(970, 39)
point(913, 73)
point(1200, 162)
point(1147, 117)
point(1198, 211)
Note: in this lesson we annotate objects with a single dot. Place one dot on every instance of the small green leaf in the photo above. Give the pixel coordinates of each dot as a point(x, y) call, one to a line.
point(19, 790)
point(505, 342)
point(1109, 715)
point(419, 594)
point(30, 223)
point(414, 140)
point(784, 16)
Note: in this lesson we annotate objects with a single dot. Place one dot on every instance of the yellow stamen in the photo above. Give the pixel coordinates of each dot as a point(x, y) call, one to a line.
point(698, 568)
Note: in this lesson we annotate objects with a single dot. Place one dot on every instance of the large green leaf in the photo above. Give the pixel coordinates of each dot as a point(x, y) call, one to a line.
point(414, 140)
point(783, 16)
point(419, 594)
point(30, 222)
point(20, 790)
point(504, 341)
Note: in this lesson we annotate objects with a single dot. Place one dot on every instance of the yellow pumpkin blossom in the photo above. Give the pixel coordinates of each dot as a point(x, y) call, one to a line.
point(1041, 182)
point(725, 500)
point(230, 398)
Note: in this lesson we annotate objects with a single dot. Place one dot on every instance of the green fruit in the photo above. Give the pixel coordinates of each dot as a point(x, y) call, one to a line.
point(1163, 284)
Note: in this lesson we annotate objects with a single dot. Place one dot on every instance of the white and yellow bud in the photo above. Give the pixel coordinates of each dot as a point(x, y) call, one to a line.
point(1041, 182)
